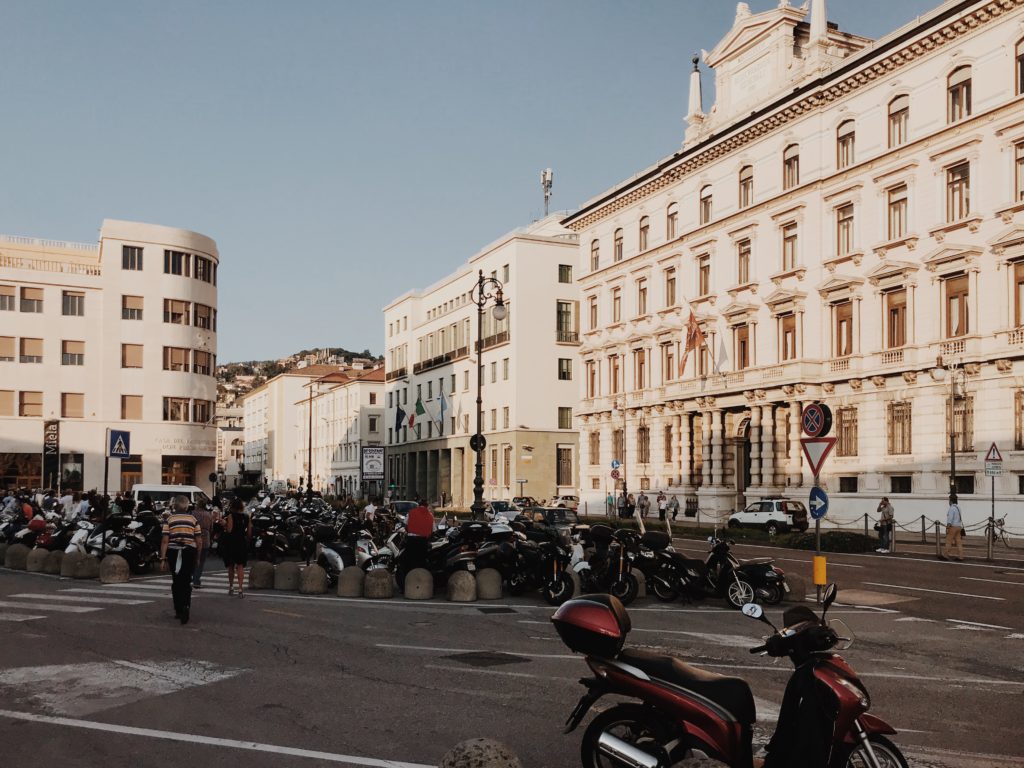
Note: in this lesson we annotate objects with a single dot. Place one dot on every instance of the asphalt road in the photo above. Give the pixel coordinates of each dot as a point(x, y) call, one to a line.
point(104, 676)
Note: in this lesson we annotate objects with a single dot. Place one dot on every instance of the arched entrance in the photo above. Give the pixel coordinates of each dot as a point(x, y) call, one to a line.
point(741, 459)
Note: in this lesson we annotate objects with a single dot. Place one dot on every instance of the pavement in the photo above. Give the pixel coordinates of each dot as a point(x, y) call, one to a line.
point(104, 676)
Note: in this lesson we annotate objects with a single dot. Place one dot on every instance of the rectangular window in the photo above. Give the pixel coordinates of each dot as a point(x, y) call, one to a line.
point(618, 445)
point(845, 145)
point(504, 273)
point(617, 245)
point(846, 431)
point(898, 425)
point(565, 273)
point(465, 383)
point(668, 363)
point(72, 405)
point(32, 300)
point(641, 296)
point(6, 298)
point(72, 303)
point(957, 320)
point(844, 328)
point(177, 312)
point(203, 316)
point(844, 229)
point(1018, 293)
point(639, 368)
point(595, 255)
point(704, 275)
point(565, 322)
point(201, 411)
point(31, 350)
point(7, 347)
point(595, 448)
point(645, 228)
point(563, 476)
point(848, 484)
point(671, 220)
point(131, 407)
point(898, 212)
point(6, 402)
point(667, 443)
point(72, 353)
point(962, 426)
point(787, 325)
point(1018, 173)
point(789, 242)
point(201, 362)
point(131, 355)
point(643, 445)
point(791, 167)
point(896, 318)
point(504, 417)
point(613, 374)
point(176, 409)
point(746, 187)
point(131, 307)
point(373, 423)
point(204, 269)
point(899, 484)
point(565, 369)
point(742, 347)
point(958, 192)
point(177, 263)
point(958, 94)
point(30, 404)
point(504, 369)
point(494, 378)
point(176, 359)
point(592, 304)
point(705, 205)
point(564, 418)
point(616, 305)
point(131, 257)
point(743, 262)
point(670, 287)
point(899, 120)
point(494, 418)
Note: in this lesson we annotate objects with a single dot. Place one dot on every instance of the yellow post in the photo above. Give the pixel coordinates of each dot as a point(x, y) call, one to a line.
point(819, 571)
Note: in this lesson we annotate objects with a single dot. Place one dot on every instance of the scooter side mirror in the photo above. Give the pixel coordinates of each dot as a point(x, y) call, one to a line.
point(755, 611)
point(829, 597)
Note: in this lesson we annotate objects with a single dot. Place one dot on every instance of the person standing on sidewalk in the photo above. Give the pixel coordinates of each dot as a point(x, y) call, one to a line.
point(673, 507)
point(182, 540)
point(954, 531)
point(885, 525)
point(207, 517)
point(662, 505)
point(234, 544)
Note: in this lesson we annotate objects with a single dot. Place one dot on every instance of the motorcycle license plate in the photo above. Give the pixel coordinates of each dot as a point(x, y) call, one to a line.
point(470, 566)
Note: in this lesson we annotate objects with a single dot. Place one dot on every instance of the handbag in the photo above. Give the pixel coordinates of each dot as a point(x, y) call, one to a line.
point(878, 526)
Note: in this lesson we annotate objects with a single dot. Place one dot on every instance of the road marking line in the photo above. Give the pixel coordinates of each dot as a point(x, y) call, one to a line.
point(76, 599)
point(455, 668)
point(212, 741)
point(51, 607)
point(916, 618)
point(140, 587)
point(284, 613)
point(104, 591)
point(936, 591)
point(809, 562)
point(994, 581)
point(979, 624)
point(734, 641)
point(18, 617)
point(435, 649)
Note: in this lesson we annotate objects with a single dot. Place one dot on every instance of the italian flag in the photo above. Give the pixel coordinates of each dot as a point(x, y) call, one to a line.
point(418, 411)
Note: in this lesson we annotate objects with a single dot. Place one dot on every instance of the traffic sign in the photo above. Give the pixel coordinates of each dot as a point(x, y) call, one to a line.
point(615, 474)
point(616, 463)
point(818, 503)
point(993, 454)
point(816, 450)
point(118, 444)
point(522, 481)
point(816, 420)
point(993, 468)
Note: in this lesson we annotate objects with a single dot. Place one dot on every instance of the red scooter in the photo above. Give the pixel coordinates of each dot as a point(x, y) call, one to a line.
point(688, 712)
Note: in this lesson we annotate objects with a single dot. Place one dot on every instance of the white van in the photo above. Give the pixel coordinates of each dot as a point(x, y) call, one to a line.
point(162, 494)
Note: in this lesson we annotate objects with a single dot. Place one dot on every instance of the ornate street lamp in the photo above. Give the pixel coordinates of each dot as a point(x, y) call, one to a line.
point(620, 408)
point(487, 288)
point(957, 388)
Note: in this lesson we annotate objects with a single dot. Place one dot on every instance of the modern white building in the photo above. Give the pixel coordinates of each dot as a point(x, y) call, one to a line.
point(116, 335)
point(845, 225)
point(530, 374)
point(348, 432)
point(230, 445)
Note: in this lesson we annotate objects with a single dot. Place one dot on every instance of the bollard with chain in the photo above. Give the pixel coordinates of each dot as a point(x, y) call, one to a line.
point(924, 536)
point(937, 550)
point(865, 523)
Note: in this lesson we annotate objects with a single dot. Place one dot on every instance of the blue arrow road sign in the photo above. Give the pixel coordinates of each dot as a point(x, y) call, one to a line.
point(616, 464)
point(119, 444)
point(818, 503)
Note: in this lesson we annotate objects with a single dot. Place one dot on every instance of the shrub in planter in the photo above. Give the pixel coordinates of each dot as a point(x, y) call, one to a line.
point(835, 541)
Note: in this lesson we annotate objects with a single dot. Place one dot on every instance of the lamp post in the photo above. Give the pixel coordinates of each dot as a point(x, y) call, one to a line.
point(620, 408)
point(487, 288)
point(957, 374)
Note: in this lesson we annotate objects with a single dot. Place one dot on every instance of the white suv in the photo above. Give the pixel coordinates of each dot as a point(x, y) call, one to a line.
point(568, 502)
point(773, 515)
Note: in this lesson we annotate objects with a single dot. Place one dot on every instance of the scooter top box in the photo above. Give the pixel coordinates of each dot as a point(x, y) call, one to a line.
point(594, 625)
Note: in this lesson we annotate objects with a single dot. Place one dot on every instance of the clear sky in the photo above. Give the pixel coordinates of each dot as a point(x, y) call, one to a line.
point(341, 152)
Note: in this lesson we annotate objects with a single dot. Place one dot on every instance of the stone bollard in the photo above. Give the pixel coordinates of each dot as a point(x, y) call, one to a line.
point(488, 584)
point(577, 585)
point(261, 575)
point(480, 753)
point(36, 560)
point(87, 568)
point(313, 580)
point(69, 563)
point(350, 582)
point(419, 584)
point(378, 585)
point(797, 589)
point(113, 570)
point(16, 557)
point(462, 587)
point(286, 577)
point(641, 583)
point(53, 563)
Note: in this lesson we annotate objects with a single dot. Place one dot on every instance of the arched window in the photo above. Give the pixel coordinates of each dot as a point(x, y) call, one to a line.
point(617, 250)
point(845, 143)
point(746, 186)
point(1020, 67)
point(791, 166)
point(645, 229)
point(958, 94)
point(899, 118)
point(671, 221)
point(595, 255)
point(705, 204)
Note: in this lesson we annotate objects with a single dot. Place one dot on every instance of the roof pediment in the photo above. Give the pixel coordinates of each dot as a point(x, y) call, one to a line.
point(839, 287)
point(891, 268)
point(783, 295)
point(748, 29)
point(738, 310)
point(951, 254)
point(1010, 239)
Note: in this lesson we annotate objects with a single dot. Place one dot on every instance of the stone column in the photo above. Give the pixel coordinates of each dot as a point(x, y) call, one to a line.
point(793, 469)
point(457, 482)
point(684, 462)
point(717, 444)
point(755, 446)
point(768, 446)
point(705, 448)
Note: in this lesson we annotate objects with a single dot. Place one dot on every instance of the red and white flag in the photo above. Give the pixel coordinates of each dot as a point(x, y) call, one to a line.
point(694, 340)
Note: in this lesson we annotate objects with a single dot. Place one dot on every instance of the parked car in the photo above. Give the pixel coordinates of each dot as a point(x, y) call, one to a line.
point(568, 502)
point(400, 509)
point(524, 502)
point(773, 515)
point(506, 509)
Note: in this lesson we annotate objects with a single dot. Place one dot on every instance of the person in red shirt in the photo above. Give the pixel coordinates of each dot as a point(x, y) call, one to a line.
point(420, 521)
point(418, 527)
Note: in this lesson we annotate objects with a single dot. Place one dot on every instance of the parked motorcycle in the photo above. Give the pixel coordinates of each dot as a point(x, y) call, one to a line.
point(688, 712)
point(608, 568)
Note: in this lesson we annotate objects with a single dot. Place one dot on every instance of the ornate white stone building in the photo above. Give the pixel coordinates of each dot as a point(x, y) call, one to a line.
point(844, 223)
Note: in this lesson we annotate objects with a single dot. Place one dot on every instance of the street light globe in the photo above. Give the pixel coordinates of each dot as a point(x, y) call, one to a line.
point(939, 373)
point(500, 312)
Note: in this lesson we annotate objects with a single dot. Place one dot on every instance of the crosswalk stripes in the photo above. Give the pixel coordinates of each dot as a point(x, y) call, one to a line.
point(33, 606)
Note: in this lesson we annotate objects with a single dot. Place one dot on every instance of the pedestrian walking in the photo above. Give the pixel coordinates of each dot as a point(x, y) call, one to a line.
point(673, 507)
point(207, 517)
point(662, 505)
point(885, 525)
point(954, 531)
point(630, 506)
point(182, 539)
point(622, 502)
point(234, 544)
point(644, 504)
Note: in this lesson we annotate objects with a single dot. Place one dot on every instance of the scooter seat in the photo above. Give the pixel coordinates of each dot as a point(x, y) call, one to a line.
point(731, 693)
point(758, 561)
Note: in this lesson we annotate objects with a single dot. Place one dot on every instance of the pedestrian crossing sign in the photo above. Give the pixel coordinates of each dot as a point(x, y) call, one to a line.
point(118, 444)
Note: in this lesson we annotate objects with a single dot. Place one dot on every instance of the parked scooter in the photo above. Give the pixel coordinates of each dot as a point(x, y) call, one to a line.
point(608, 568)
point(688, 712)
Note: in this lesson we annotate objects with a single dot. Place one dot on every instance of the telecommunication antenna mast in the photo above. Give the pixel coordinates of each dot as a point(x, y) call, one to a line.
point(546, 177)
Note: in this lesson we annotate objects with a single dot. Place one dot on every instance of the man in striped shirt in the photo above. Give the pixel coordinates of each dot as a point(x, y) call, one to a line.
point(182, 541)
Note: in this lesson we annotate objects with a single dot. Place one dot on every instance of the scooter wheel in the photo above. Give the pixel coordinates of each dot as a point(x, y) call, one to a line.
point(558, 591)
point(773, 594)
point(738, 593)
point(887, 754)
point(626, 589)
point(517, 584)
point(662, 591)
point(639, 726)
